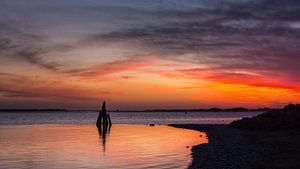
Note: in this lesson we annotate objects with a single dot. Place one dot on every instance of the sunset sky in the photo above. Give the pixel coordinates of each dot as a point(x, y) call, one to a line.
point(142, 54)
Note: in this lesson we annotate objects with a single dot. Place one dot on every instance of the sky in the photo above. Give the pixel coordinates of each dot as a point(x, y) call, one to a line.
point(146, 54)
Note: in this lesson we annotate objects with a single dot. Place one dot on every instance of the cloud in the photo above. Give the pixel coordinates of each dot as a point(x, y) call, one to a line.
point(21, 43)
point(104, 69)
point(128, 77)
point(12, 85)
point(247, 35)
point(225, 33)
point(23, 46)
point(241, 77)
point(33, 58)
point(252, 42)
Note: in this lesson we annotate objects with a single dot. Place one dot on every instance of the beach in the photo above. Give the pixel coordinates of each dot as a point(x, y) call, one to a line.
point(227, 149)
point(230, 148)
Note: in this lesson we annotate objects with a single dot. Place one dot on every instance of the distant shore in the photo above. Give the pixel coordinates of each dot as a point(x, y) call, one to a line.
point(237, 109)
point(31, 110)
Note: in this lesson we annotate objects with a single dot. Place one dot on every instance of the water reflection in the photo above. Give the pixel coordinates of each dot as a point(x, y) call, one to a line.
point(103, 131)
point(84, 146)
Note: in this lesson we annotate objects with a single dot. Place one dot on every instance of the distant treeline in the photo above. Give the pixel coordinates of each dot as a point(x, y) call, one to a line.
point(237, 109)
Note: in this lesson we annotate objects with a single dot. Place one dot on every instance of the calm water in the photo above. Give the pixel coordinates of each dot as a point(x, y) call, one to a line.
point(83, 146)
point(64, 140)
point(89, 117)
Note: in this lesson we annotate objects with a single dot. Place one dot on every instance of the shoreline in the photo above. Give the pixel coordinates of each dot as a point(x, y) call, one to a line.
point(233, 148)
point(228, 148)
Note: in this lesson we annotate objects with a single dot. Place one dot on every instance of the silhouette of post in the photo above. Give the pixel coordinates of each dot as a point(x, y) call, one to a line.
point(103, 116)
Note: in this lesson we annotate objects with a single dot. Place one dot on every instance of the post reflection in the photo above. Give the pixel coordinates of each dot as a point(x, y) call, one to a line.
point(103, 131)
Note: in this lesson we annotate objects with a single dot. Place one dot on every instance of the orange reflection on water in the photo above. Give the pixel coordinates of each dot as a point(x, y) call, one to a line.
point(75, 146)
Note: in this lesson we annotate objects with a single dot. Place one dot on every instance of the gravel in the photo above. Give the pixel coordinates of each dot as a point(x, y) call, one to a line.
point(227, 149)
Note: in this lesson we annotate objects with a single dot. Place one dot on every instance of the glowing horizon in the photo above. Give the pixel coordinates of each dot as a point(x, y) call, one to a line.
point(143, 55)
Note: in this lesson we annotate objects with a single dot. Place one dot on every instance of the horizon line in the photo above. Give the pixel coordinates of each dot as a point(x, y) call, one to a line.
point(146, 110)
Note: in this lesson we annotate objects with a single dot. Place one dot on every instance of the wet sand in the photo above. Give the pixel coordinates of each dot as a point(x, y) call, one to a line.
point(228, 148)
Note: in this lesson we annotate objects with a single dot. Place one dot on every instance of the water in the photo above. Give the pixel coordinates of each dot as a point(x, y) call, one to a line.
point(89, 117)
point(68, 140)
point(83, 146)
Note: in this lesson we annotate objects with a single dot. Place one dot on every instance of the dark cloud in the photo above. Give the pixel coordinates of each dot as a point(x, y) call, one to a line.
point(28, 47)
point(33, 58)
point(218, 27)
point(251, 35)
point(28, 53)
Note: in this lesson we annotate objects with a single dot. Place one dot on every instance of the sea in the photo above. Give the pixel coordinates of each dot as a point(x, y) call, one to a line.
point(70, 140)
